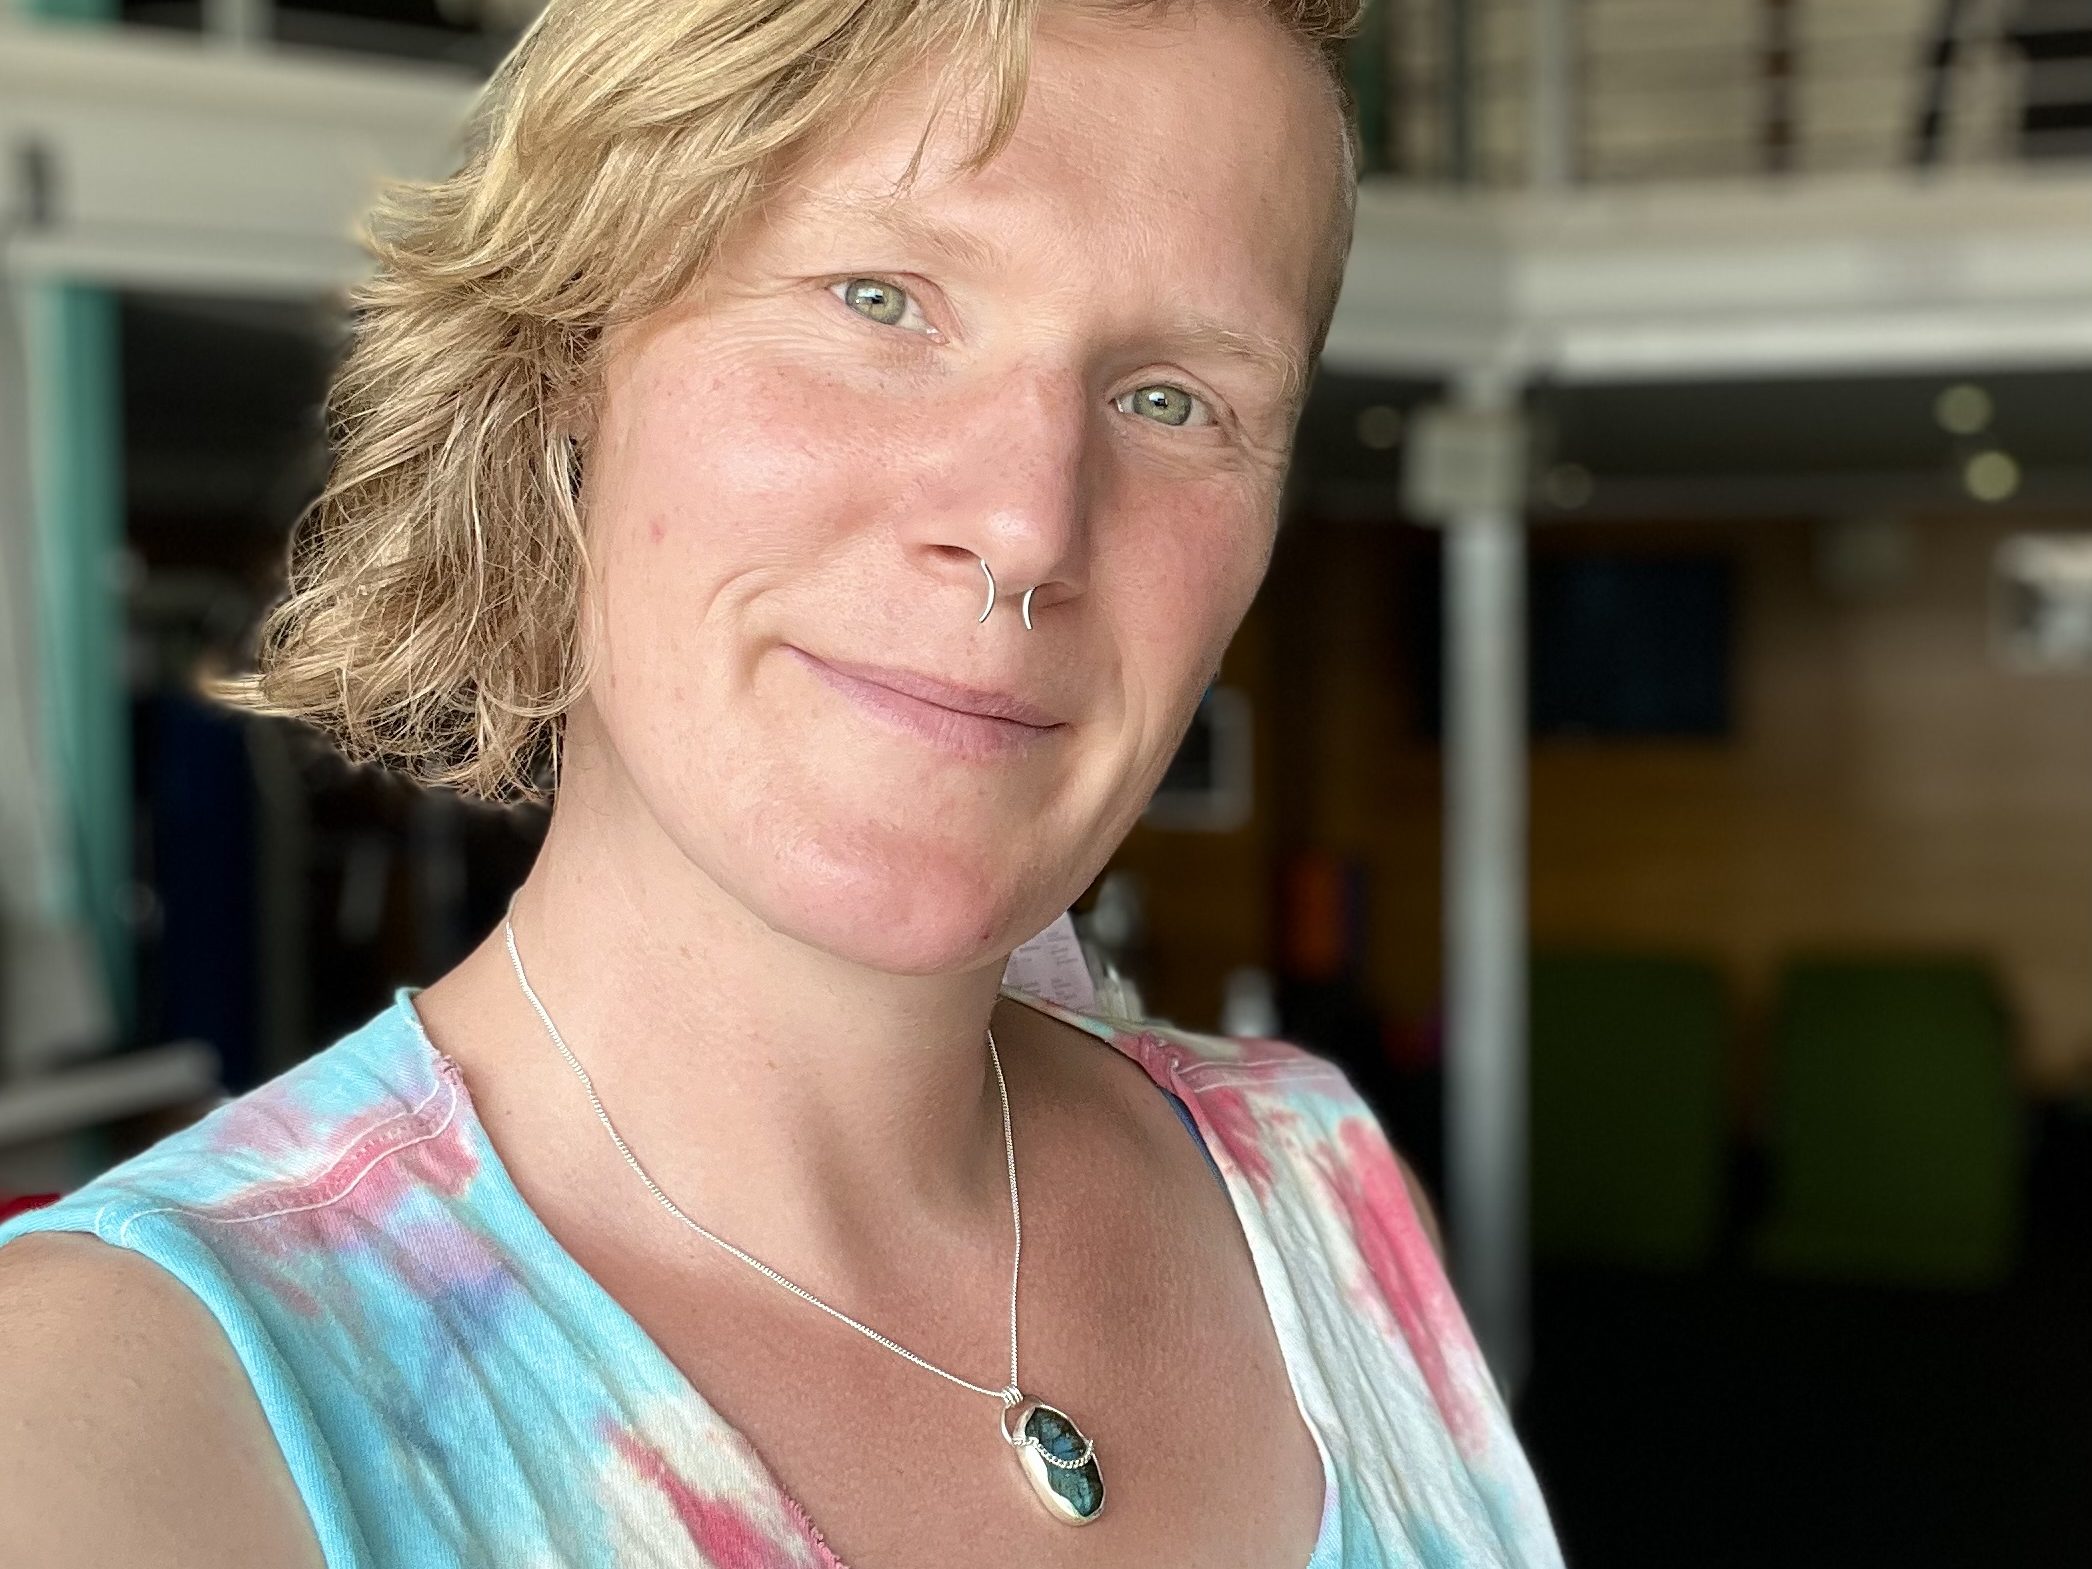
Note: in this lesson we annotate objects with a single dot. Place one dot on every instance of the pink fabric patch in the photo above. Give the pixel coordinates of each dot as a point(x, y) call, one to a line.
point(275, 1123)
point(1408, 1280)
point(1227, 1110)
point(352, 1204)
point(720, 1530)
point(1262, 1048)
point(1236, 1125)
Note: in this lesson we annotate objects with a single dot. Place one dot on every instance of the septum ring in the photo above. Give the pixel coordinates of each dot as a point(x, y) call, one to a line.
point(985, 609)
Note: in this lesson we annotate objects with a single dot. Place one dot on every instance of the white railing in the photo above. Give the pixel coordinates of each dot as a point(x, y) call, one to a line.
point(1515, 92)
point(1712, 89)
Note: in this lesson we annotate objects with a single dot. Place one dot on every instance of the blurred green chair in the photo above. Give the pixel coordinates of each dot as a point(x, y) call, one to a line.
point(1896, 1139)
point(1629, 1142)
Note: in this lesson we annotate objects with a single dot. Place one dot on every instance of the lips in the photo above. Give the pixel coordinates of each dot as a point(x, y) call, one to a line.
point(945, 694)
point(922, 714)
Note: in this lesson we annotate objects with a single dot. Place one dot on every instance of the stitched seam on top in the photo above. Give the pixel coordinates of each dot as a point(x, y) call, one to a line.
point(382, 1131)
point(1213, 1075)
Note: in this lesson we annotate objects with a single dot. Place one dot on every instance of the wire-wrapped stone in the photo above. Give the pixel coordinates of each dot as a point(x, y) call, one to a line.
point(1057, 1458)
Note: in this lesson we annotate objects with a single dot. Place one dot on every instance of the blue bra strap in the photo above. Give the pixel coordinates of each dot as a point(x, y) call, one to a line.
point(1184, 1116)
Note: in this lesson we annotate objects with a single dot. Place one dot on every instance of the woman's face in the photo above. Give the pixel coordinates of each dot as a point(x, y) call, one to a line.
point(1082, 364)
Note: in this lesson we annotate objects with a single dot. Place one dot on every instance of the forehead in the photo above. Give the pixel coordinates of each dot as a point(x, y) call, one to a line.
point(1194, 154)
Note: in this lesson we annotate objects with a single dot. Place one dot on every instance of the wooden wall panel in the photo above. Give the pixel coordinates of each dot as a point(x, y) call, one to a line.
point(1887, 785)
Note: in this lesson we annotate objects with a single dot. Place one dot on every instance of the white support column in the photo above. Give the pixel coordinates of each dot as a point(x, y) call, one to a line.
point(1466, 471)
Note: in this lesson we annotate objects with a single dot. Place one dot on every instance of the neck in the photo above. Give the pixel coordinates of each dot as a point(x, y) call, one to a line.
point(822, 1115)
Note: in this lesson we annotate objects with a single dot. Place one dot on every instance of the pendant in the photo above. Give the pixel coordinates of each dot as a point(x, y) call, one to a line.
point(1057, 1458)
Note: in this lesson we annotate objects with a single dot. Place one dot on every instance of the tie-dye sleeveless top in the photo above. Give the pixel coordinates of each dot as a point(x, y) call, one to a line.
point(450, 1387)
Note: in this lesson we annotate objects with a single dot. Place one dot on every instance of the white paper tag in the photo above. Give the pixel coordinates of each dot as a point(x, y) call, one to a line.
point(1051, 966)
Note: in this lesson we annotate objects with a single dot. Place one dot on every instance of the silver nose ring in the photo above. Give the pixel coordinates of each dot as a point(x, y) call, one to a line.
point(992, 596)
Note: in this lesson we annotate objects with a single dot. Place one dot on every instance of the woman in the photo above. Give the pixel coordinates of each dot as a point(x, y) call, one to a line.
point(826, 446)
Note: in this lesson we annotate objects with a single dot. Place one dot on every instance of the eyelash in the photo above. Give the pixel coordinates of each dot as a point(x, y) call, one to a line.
point(840, 288)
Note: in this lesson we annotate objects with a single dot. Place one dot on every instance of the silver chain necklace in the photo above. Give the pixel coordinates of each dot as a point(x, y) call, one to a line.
point(1056, 1457)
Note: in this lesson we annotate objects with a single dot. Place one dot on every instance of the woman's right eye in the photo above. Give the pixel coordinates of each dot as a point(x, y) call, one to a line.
point(885, 303)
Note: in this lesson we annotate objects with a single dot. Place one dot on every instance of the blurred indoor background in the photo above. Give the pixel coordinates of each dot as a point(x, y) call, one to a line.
point(1659, 766)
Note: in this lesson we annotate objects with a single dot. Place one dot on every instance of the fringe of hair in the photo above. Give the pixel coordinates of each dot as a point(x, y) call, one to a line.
point(430, 620)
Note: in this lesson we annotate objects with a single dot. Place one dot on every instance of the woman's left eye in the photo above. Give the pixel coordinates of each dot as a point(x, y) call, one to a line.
point(1165, 404)
point(888, 304)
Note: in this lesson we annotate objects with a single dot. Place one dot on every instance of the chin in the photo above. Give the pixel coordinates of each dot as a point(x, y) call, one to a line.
point(896, 902)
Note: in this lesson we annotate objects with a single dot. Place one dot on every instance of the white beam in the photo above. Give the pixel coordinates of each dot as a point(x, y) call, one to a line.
point(1806, 276)
point(84, 1097)
point(169, 162)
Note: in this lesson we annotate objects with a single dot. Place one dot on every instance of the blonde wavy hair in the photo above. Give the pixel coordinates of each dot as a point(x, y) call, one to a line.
point(430, 618)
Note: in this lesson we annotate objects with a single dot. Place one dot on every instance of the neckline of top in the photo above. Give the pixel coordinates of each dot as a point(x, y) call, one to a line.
point(596, 1299)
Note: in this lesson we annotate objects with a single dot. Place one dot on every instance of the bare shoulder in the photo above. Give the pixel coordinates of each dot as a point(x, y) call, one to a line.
point(129, 1433)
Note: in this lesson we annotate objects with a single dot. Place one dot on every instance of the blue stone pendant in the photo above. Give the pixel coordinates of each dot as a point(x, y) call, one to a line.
point(1058, 1460)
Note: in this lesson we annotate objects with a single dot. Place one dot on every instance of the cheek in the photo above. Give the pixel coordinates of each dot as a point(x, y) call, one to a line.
point(719, 476)
point(739, 460)
point(1187, 565)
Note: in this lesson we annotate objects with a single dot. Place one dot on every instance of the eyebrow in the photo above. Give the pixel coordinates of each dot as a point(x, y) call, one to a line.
point(1266, 353)
point(936, 235)
point(981, 253)
point(924, 232)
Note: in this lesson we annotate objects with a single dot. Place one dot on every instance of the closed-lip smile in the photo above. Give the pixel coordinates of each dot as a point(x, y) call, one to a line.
point(973, 721)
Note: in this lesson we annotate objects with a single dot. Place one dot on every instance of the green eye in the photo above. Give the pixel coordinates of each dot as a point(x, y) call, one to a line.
point(1165, 404)
point(879, 300)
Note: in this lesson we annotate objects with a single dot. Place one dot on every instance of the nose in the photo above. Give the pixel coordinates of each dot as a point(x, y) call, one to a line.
point(1005, 511)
